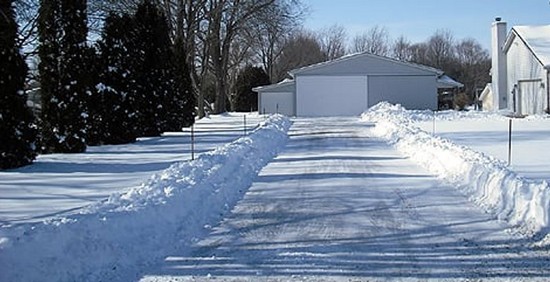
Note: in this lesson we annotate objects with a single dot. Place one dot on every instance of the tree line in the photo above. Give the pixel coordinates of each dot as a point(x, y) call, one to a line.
point(464, 60)
point(131, 82)
point(111, 71)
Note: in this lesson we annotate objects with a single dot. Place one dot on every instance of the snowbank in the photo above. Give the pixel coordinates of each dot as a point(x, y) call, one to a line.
point(115, 238)
point(428, 115)
point(523, 203)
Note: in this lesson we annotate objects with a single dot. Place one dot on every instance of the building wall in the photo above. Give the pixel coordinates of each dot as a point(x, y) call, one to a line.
point(486, 98)
point(331, 95)
point(412, 92)
point(276, 102)
point(526, 80)
point(352, 95)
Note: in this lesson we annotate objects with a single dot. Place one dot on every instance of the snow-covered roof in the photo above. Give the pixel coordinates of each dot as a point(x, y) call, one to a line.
point(355, 56)
point(283, 86)
point(486, 91)
point(537, 39)
point(444, 81)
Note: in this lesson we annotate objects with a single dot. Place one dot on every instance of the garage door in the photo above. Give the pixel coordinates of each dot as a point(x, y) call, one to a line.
point(277, 102)
point(531, 97)
point(412, 92)
point(331, 95)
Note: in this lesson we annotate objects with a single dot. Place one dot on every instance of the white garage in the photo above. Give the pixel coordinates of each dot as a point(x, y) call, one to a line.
point(349, 85)
point(277, 98)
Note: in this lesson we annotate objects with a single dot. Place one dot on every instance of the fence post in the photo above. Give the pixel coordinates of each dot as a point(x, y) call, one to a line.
point(193, 142)
point(244, 125)
point(433, 126)
point(510, 142)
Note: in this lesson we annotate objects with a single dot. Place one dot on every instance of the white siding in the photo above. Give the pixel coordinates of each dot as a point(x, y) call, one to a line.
point(526, 80)
point(530, 97)
point(412, 92)
point(331, 95)
point(487, 98)
point(277, 102)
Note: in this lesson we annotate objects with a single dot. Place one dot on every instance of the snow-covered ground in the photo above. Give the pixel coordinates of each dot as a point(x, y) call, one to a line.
point(338, 204)
point(488, 133)
point(60, 184)
point(115, 238)
point(488, 181)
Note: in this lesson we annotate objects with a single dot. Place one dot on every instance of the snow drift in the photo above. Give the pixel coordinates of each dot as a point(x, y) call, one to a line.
point(523, 203)
point(130, 231)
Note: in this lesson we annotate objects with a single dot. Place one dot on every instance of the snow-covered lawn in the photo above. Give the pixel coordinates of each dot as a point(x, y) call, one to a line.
point(60, 184)
point(129, 230)
point(488, 181)
point(488, 133)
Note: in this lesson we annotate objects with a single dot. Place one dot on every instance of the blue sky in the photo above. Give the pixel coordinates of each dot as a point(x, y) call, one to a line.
point(417, 20)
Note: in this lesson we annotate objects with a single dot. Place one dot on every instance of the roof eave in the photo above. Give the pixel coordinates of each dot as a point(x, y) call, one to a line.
point(273, 86)
point(509, 40)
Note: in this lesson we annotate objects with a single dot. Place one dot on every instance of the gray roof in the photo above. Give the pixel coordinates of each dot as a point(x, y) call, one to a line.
point(286, 85)
point(356, 56)
point(445, 81)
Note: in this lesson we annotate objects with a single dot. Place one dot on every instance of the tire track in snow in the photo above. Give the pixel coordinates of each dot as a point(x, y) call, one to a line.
point(339, 205)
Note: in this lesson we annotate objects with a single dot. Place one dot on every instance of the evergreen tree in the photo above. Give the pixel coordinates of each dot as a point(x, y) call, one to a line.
point(17, 131)
point(96, 128)
point(152, 74)
point(64, 75)
point(246, 99)
point(115, 93)
point(180, 102)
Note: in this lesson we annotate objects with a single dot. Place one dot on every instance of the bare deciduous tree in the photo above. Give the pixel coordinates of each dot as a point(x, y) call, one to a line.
point(440, 52)
point(225, 20)
point(271, 29)
point(333, 41)
point(301, 49)
point(401, 49)
point(475, 64)
point(419, 53)
point(374, 41)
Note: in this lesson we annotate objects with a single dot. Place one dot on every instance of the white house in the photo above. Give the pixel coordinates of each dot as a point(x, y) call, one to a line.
point(520, 69)
point(349, 85)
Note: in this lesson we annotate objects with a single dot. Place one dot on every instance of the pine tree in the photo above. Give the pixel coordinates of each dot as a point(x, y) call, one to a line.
point(187, 110)
point(64, 75)
point(180, 102)
point(96, 127)
point(246, 99)
point(152, 42)
point(17, 129)
point(114, 112)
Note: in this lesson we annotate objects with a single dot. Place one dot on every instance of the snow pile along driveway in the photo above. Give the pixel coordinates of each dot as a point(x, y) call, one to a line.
point(114, 239)
point(523, 203)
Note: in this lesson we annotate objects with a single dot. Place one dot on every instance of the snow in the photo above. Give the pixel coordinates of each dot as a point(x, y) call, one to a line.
point(328, 199)
point(339, 204)
point(129, 230)
point(538, 40)
point(530, 137)
point(60, 184)
point(486, 180)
